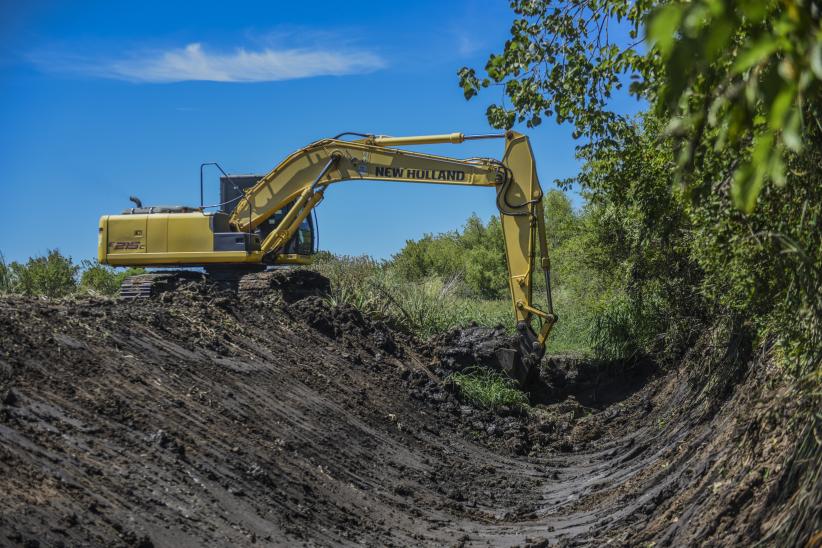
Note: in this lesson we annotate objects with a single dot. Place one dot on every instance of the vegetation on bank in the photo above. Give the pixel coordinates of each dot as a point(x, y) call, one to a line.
point(449, 280)
point(704, 211)
point(706, 208)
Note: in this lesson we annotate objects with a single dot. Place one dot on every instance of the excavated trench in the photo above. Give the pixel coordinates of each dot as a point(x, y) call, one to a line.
point(274, 418)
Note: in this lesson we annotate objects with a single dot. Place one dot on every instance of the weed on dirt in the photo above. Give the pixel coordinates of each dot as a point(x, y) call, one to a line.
point(489, 389)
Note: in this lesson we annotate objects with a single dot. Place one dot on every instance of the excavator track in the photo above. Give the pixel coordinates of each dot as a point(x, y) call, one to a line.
point(145, 286)
point(289, 283)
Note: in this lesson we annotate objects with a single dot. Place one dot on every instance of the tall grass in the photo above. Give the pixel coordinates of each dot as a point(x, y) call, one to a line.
point(433, 304)
point(424, 307)
point(489, 389)
point(5, 276)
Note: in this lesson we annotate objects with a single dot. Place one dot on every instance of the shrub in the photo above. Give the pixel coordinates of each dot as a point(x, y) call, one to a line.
point(440, 255)
point(475, 255)
point(51, 276)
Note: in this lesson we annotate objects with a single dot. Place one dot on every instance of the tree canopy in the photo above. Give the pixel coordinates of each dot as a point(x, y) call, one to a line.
point(741, 76)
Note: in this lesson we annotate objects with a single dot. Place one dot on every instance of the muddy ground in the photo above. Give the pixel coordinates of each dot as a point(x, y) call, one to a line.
point(203, 418)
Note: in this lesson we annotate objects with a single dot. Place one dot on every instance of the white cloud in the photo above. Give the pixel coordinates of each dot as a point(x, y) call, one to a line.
point(466, 43)
point(195, 63)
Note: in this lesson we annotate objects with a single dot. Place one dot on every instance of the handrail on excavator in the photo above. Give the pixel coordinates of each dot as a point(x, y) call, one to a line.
point(453, 138)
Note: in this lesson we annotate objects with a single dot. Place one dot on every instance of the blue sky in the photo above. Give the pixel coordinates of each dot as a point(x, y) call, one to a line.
point(100, 100)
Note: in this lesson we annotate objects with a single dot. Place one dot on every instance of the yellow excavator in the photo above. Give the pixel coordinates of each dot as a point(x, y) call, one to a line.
point(270, 223)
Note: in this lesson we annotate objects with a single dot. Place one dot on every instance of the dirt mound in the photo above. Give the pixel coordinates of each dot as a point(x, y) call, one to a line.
point(206, 418)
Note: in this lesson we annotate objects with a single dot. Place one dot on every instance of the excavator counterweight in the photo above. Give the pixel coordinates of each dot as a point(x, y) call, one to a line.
point(269, 216)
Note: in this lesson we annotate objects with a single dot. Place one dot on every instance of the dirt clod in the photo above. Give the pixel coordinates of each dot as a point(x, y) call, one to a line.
point(473, 346)
point(290, 285)
point(9, 398)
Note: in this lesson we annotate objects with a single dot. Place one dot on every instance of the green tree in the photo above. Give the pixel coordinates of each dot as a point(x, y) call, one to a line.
point(560, 61)
point(736, 94)
point(561, 221)
point(485, 263)
point(412, 261)
point(477, 253)
point(440, 255)
point(740, 75)
point(737, 75)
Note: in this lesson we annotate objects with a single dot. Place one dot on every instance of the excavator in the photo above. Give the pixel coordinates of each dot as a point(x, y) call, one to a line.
point(270, 223)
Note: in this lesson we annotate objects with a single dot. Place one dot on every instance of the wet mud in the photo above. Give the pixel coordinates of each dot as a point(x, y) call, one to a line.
point(266, 419)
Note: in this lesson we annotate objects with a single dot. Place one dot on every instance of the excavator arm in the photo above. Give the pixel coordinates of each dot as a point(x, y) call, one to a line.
point(308, 172)
point(302, 179)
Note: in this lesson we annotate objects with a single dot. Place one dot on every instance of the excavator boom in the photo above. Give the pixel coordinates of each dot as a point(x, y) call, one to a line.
point(289, 193)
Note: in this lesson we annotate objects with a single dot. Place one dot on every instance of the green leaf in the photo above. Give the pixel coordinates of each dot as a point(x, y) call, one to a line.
point(755, 53)
point(663, 26)
point(754, 10)
point(780, 106)
point(746, 187)
point(777, 170)
point(816, 59)
point(750, 178)
point(697, 18)
point(791, 133)
point(719, 34)
point(676, 127)
point(716, 107)
point(762, 149)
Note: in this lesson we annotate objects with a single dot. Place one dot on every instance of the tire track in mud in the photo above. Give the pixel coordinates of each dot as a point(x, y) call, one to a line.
point(204, 419)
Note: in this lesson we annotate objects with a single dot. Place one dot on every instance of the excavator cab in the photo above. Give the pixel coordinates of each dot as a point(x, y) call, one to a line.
point(304, 242)
point(300, 247)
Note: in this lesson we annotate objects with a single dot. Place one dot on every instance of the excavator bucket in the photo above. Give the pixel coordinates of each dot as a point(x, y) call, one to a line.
point(522, 364)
